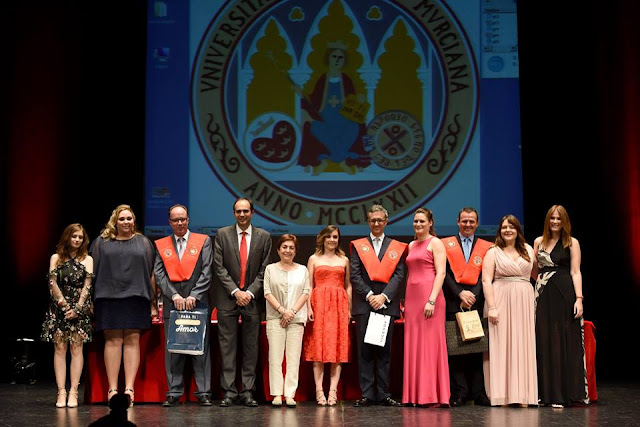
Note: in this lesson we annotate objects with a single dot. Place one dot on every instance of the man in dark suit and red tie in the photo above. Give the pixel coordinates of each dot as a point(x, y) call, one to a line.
point(463, 290)
point(183, 272)
point(241, 253)
point(378, 278)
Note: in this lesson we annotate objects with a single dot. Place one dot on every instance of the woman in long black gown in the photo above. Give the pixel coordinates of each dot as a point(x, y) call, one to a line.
point(559, 338)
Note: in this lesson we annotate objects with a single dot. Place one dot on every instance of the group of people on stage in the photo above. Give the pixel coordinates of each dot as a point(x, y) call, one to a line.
point(536, 350)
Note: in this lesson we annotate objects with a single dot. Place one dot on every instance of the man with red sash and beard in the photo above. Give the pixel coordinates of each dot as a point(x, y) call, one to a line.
point(378, 278)
point(183, 272)
point(463, 290)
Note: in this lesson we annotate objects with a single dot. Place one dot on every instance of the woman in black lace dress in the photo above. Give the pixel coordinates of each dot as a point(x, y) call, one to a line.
point(68, 321)
point(559, 339)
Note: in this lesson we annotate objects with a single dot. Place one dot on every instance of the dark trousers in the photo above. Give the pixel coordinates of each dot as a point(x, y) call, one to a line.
point(174, 366)
point(466, 376)
point(228, 331)
point(373, 361)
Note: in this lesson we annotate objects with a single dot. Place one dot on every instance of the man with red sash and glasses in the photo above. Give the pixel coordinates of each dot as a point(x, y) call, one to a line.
point(463, 289)
point(183, 272)
point(378, 278)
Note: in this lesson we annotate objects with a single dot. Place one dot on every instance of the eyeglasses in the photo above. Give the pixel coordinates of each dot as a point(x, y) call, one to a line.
point(177, 220)
point(377, 221)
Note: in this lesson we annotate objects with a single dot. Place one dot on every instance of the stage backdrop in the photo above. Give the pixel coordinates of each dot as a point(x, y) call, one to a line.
point(317, 109)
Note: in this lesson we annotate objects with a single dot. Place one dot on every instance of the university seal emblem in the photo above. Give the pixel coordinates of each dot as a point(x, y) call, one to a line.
point(317, 109)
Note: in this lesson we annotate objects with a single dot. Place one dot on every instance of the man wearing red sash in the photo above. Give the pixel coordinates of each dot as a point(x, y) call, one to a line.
point(183, 272)
point(463, 289)
point(378, 278)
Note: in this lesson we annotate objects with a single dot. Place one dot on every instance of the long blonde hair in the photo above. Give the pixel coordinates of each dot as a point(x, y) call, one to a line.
point(110, 231)
point(565, 233)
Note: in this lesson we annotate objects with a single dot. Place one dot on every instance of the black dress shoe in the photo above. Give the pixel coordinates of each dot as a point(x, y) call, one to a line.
point(204, 400)
point(226, 402)
point(456, 402)
point(365, 401)
point(389, 401)
point(248, 400)
point(171, 401)
point(482, 401)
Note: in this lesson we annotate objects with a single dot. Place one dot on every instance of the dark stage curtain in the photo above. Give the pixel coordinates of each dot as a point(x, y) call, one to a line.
point(580, 65)
point(72, 140)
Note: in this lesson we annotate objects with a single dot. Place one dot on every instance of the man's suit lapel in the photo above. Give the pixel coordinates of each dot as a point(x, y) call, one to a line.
point(175, 246)
point(255, 238)
point(383, 249)
point(233, 235)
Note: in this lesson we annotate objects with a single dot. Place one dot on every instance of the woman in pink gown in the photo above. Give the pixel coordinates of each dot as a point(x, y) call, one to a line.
point(510, 372)
point(426, 366)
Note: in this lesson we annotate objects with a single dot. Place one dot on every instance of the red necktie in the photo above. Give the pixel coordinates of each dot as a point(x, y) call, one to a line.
point(243, 258)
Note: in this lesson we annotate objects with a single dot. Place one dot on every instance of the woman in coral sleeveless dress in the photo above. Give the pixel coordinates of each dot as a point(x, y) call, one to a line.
point(426, 365)
point(329, 308)
point(510, 373)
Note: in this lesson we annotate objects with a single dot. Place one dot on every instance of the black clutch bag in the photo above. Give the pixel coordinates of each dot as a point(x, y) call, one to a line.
point(455, 344)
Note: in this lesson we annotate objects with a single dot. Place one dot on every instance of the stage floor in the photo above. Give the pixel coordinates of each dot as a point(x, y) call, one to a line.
point(33, 405)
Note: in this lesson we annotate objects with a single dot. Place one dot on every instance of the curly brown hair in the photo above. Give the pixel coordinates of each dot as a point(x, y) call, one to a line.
point(322, 236)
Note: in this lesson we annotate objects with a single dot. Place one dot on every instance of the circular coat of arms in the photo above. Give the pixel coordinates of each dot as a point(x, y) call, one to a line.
point(318, 109)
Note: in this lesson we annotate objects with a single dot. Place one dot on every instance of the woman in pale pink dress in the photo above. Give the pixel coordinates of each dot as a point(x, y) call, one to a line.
point(510, 372)
point(426, 365)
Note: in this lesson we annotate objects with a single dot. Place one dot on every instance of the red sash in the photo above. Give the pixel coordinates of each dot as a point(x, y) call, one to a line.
point(379, 271)
point(180, 270)
point(466, 273)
